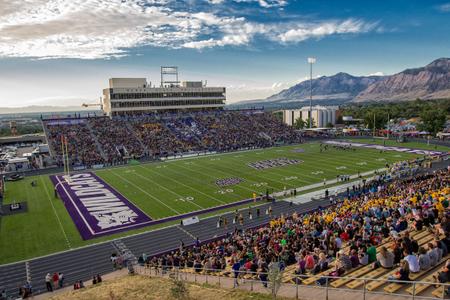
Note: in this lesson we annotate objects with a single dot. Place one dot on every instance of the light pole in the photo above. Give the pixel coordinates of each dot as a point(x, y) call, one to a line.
point(311, 61)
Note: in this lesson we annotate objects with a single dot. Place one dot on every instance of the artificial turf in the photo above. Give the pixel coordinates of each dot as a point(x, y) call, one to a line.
point(173, 187)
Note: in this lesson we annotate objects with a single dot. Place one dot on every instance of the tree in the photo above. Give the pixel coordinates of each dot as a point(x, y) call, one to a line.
point(307, 123)
point(433, 120)
point(179, 290)
point(329, 125)
point(380, 118)
point(275, 278)
point(299, 123)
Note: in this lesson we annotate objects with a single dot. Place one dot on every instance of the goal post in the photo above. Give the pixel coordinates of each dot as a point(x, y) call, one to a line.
point(65, 156)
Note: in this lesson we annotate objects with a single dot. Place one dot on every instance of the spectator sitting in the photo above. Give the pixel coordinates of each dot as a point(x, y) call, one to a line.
point(413, 262)
point(424, 259)
point(444, 274)
point(385, 259)
point(402, 274)
point(322, 264)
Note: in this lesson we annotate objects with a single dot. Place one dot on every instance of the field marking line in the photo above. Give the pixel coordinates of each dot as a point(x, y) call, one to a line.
point(234, 186)
point(291, 172)
point(265, 177)
point(189, 187)
point(164, 188)
point(192, 170)
point(211, 167)
point(145, 192)
point(111, 186)
point(56, 214)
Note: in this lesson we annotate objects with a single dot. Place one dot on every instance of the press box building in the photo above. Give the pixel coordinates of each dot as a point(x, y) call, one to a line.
point(134, 95)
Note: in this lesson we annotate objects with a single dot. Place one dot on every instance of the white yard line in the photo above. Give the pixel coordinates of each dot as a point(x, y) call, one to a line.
point(145, 192)
point(234, 186)
point(164, 188)
point(56, 214)
point(203, 167)
point(189, 187)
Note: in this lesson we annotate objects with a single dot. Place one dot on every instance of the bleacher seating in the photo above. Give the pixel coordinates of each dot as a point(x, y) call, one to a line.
point(101, 140)
point(418, 200)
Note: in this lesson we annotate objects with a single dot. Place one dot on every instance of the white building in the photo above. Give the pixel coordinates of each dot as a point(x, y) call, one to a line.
point(135, 95)
point(321, 115)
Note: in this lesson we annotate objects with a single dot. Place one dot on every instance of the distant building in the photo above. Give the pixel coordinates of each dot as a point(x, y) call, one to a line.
point(135, 95)
point(321, 115)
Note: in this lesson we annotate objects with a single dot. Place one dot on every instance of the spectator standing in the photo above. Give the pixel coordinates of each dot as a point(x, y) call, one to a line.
point(48, 282)
point(236, 267)
point(55, 279)
point(61, 279)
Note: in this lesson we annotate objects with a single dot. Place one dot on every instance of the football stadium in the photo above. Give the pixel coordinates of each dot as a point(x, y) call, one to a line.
point(266, 181)
point(156, 190)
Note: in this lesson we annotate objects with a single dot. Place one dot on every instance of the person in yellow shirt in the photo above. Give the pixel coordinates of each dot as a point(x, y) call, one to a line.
point(439, 206)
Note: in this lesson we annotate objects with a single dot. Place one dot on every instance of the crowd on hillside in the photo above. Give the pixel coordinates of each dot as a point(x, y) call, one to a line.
point(109, 141)
point(346, 233)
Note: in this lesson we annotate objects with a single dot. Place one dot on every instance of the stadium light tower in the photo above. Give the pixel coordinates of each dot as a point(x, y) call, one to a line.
point(311, 61)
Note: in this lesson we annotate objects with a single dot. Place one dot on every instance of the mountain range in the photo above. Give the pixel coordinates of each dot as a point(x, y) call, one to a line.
point(429, 82)
point(41, 109)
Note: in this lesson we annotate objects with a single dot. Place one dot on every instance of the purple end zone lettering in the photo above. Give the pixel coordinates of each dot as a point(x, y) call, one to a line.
point(387, 148)
point(96, 208)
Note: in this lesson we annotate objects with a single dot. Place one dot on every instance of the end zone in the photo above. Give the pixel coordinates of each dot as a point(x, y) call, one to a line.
point(95, 207)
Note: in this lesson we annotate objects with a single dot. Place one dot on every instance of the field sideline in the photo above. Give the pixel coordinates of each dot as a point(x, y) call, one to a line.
point(174, 187)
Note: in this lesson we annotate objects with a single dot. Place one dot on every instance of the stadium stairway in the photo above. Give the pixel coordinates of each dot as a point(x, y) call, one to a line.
point(136, 136)
point(97, 143)
point(50, 145)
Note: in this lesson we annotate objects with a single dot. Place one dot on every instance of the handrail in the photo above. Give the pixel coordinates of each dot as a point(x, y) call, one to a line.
point(168, 270)
point(179, 269)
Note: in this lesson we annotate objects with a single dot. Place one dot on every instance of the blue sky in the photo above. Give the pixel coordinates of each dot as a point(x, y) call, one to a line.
point(61, 52)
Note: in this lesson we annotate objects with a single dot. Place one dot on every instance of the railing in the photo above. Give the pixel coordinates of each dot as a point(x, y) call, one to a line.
point(255, 280)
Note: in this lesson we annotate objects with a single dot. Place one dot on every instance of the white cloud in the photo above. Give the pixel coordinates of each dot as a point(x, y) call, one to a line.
point(444, 7)
point(266, 3)
point(92, 29)
point(306, 31)
point(262, 3)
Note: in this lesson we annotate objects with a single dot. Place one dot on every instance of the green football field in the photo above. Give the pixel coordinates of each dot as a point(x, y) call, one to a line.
point(174, 187)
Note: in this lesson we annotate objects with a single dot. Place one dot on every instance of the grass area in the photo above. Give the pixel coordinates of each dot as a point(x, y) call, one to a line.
point(187, 185)
point(413, 144)
point(173, 187)
point(143, 287)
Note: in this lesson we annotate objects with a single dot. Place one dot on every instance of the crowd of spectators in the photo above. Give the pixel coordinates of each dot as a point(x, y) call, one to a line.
point(81, 145)
point(116, 139)
point(346, 234)
point(110, 141)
